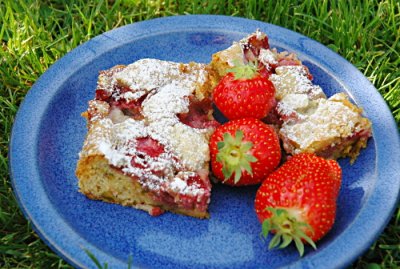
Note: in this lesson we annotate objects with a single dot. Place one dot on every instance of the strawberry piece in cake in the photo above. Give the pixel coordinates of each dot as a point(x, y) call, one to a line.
point(147, 141)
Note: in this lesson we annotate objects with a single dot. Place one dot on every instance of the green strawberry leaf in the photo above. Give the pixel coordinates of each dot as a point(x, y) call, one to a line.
point(238, 174)
point(306, 238)
point(299, 245)
point(220, 145)
point(246, 166)
point(244, 71)
point(275, 241)
point(227, 172)
point(234, 155)
point(287, 229)
point(266, 227)
point(238, 136)
point(286, 241)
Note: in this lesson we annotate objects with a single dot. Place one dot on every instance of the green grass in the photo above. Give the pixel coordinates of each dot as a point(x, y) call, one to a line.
point(34, 34)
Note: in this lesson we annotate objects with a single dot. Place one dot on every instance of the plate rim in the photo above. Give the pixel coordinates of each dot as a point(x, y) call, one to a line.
point(38, 90)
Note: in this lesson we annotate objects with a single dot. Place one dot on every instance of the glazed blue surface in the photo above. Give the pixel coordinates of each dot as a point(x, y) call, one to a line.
point(49, 131)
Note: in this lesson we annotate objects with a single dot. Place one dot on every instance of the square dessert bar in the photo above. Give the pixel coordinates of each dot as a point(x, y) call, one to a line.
point(307, 121)
point(147, 140)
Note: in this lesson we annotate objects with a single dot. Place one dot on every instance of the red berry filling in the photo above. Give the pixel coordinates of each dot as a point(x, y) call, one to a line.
point(146, 146)
point(189, 200)
point(149, 146)
point(166, 194)
point(251, 51)
point(252, 48)
point(199, 115)
point(156, 211)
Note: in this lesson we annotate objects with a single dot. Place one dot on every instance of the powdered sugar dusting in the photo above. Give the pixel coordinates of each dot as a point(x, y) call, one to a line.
point(268, 58)
point(166, 87)
point(169, 100)
point(328, 123)
point(147, 74)
point(294, 107)
point(259, 35)
point(190, 144)
point(179, 184)
point(293, 79)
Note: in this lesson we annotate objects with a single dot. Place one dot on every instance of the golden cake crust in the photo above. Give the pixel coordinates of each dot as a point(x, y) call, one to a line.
point(99, 181)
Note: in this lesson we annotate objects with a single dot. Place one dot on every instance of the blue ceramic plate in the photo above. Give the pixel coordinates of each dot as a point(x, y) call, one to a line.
point(49, 131)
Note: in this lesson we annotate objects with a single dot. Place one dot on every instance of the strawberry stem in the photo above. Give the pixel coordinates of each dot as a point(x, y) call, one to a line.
point(244, 71)
point(287, 229)
point(234, 156)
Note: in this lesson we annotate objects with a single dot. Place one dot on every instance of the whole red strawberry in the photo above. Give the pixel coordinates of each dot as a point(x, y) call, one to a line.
point(244, 151)
point(243, 92)
point(297, 202)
